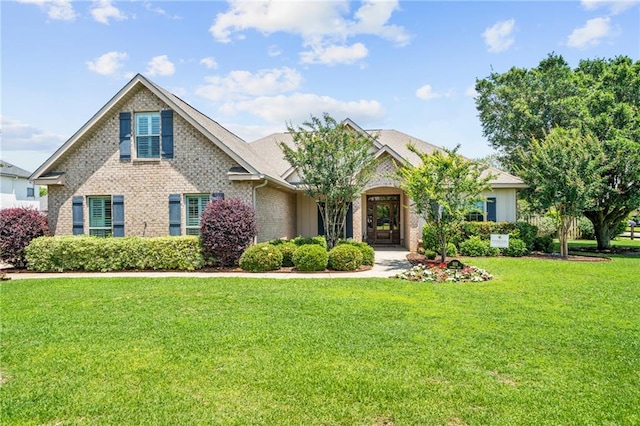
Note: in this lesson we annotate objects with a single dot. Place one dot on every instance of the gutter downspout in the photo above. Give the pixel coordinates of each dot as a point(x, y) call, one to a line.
point(262, 185)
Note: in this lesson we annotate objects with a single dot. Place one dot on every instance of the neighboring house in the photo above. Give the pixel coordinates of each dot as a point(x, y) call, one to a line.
point(15, 189)
point(147, 163)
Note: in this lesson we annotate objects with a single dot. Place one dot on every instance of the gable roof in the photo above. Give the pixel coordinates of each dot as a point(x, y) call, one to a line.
point(388, 141)
point(8, 169)
point(229, 143)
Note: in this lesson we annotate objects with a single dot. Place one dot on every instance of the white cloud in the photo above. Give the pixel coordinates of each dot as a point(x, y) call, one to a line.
point(323, 26)
point(19, 136)
point(331, 55)
point(471, 91)
point(159, 11)
point(591, 34)
point(160, 65)
point(61, 10)
point(274, 50)
point(498, 37)
point(103, 10)
point(426, 93)
point(107, 64)
point(241, 83)
point(299, 106)
point(209, 62)
point(614, 6)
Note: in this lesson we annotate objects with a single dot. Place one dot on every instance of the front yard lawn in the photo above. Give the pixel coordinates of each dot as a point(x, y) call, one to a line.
point(545, 342)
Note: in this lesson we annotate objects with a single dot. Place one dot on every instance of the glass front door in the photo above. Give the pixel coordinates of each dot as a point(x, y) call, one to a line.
point(383, 219)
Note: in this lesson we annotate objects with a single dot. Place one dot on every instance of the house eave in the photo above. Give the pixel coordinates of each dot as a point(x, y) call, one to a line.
point(51, 179)
point(509, 185)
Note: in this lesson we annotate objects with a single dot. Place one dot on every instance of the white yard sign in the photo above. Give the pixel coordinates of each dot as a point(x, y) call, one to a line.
point(500, 240)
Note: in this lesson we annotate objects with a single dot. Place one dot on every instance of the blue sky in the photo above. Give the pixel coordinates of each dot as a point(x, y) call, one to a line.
point(254, 66)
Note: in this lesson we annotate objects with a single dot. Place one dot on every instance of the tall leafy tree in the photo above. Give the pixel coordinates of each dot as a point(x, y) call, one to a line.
point(564, 171)
point(444, 188)
point(600, 97)
point(335, 163)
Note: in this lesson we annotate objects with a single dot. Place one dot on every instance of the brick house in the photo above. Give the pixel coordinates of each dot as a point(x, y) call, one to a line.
point(147, 163)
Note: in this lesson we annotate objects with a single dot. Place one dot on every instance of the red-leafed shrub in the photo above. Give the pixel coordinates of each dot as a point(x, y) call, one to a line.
point(18, 226)
point(227, 229)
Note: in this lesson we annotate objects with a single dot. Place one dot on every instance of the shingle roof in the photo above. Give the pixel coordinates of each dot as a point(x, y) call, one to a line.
point(396, 141)
point(8, 169)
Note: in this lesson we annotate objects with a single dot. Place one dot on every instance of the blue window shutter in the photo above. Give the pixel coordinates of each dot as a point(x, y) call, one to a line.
point(216, 196)
point(320, 222)
point(174, 214)
point(349, 227)
point(78, 217)
point(167, 133)
point(491, 209)
point(118, 215)
point(125, 135)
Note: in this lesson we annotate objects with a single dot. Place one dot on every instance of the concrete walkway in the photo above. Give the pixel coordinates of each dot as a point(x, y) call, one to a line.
point(389, 262)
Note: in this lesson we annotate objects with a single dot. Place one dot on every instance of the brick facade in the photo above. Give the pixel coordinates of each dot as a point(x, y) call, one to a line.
point(276, 211)
point(93, 167)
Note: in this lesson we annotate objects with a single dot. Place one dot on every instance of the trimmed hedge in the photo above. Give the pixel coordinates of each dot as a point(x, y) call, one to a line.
point(476, 246)
point(18, 226)
point(261, 257)
point(368, 253)
point(287, 250)
point(310, 257)
point(86, 253)
point(345, 257)
point(303, 241)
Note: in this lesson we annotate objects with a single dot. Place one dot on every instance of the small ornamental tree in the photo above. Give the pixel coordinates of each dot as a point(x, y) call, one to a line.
point(227, 228)
point(444, 188)
point(18, 226)
point(335, 162)
point(565, 172)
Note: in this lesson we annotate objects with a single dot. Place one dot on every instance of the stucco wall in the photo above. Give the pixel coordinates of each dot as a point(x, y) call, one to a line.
point(94, 167)
point(13, 193)
point(276, 211)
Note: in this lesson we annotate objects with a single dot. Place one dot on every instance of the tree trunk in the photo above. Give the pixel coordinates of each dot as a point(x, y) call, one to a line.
point(563, 235)
point(603, 235)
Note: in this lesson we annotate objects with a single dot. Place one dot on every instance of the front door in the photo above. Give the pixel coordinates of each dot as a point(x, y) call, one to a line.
point(383, 219)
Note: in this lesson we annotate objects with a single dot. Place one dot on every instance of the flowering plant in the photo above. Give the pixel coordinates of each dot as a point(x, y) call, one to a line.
point(441, 273)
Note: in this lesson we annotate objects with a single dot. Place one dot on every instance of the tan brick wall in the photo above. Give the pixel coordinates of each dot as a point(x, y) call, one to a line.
point(93, 167)
point(276, 211)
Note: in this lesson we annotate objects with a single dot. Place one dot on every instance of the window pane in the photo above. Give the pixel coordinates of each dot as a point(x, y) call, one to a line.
point(195, 206)
point(100, 216)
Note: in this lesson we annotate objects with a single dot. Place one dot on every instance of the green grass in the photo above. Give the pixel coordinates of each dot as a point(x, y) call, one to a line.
point(546, 342)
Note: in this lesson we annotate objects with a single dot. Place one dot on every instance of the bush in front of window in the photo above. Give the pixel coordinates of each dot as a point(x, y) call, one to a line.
point(310, 257)
point(227, 229)
point(88, 253)
point(302, 241)
point(474, 246)
point(368, 253)
point(345, 257)
point(18, 226)
point(261, 258)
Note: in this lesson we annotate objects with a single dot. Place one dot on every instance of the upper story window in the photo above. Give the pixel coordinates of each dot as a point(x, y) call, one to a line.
point(147, 133)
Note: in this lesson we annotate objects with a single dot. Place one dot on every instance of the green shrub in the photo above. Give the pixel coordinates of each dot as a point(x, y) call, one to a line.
point(619, 228)
point(345, 257)
point(452, 250)
point(287, 249)
point(586, 229)
point(517, 248)
point(526, 232)
point(85, 253)
point(547, 225)
point(303, 241)
point(430, 254)
point(310, 257)
point(492, 251)
point(543, 243)
point(368, 253)
point(260, 258)
point(474, 246)
point(429, 238)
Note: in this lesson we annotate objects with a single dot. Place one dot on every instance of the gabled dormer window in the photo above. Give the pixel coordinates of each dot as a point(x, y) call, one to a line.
point(147, 133)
